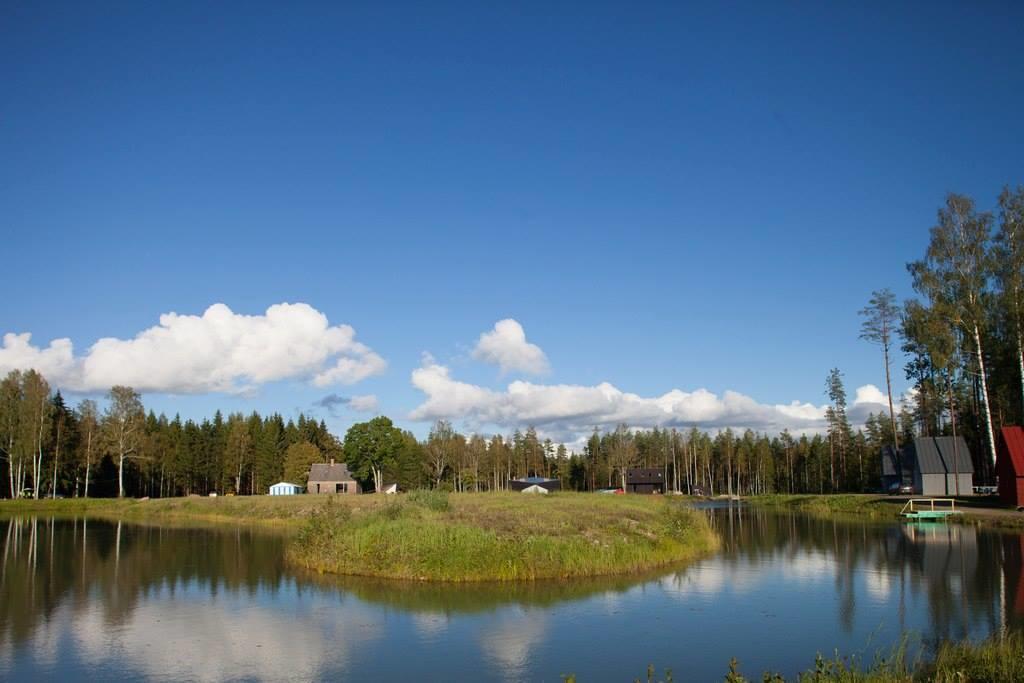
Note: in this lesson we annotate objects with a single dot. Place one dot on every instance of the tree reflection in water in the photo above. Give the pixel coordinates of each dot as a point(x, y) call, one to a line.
point(970, 578)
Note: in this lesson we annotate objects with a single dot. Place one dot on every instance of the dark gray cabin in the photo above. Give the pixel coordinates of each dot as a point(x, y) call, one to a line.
point(941, 466)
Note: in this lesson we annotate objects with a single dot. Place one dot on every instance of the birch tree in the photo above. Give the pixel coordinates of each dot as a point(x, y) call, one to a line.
point(956, 272)
point(10, 429)
point(88, 425)
point(238, 449)
point(123, 427)
point(622, 452)
point(35, 422)
point(440, 449)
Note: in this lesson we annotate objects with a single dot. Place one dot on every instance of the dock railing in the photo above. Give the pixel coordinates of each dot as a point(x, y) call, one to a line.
point(930, 503)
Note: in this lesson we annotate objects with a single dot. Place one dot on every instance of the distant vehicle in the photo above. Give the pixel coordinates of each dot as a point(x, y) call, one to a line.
point(26, 492)
point(612, 491)
point(901, 490)
point(698, 491)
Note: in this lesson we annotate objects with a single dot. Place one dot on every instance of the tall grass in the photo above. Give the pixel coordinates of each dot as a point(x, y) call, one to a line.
point(501, 537)
point(999, 659)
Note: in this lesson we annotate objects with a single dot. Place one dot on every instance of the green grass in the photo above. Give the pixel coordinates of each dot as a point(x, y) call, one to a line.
point(981, 511)
point(500, 536)
point(282, 511)
point(999, 659)
point(878, 507)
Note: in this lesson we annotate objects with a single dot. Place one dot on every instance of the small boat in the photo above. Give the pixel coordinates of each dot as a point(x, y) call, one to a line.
point(924, 509)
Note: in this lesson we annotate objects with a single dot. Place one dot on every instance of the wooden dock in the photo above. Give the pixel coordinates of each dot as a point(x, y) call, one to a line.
point(925, 509)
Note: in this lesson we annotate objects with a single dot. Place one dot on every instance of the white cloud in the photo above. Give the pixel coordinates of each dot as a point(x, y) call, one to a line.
point(363, 404)
point(568, 412)
point(18, 353)
point(218, 351)
point(506, 347)
point(869, 393)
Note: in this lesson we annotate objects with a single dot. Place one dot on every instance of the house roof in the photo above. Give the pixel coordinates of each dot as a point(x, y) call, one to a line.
point(955, 454)
point(939, 455)
point(285, 483)
point(535, 480)
point(890, 462)
point(1013, 446)
point(929, 460)
point(329, 471)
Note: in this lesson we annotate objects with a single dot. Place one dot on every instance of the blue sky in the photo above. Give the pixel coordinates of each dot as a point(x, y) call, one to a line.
point(663, 196)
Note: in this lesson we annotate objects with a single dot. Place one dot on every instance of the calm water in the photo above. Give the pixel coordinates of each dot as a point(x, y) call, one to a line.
point(112, 602)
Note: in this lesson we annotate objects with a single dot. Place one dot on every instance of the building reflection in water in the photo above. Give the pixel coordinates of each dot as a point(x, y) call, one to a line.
point(960, 572)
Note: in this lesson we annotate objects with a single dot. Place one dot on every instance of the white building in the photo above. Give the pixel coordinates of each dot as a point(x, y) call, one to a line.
point(283, 488)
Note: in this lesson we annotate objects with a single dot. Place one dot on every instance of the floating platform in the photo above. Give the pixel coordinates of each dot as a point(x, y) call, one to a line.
point(925, 509)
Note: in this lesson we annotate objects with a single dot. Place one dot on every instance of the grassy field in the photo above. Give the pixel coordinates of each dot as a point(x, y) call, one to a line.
point(999, 659)
point(500, 536)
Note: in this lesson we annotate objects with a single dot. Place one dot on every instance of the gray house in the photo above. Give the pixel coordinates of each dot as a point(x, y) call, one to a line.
point(331, 478)
point(939, 465)
point(896, 470)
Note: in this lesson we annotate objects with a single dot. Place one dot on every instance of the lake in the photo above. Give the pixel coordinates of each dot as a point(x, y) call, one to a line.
point(107, 601)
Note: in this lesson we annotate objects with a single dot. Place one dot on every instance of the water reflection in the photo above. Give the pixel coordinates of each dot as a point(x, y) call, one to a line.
point(957, 571)
point(113, 600)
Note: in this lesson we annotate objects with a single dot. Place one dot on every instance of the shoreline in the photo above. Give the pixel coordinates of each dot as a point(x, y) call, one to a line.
point(887, 508)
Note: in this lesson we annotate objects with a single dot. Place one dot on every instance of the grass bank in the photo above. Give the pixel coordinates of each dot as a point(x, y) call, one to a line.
point(999, 659)
point(877, 507)
point(981, 511)
point(500, 536)
point(278, 511)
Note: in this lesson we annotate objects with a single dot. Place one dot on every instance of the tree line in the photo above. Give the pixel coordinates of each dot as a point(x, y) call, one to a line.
point(50, 449)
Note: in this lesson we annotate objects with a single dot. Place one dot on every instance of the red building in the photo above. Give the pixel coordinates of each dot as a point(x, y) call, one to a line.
point(1010, 466)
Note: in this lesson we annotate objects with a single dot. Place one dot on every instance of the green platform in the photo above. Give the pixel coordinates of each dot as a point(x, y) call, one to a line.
point(931, 515)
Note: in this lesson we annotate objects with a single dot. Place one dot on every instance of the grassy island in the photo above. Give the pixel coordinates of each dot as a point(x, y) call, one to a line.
point(430, 536)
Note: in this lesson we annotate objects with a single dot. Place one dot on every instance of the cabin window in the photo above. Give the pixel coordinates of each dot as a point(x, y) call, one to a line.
point(341, 488)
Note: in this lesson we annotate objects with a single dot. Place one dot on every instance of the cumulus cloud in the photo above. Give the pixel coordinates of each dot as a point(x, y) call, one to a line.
point(568, 411)
point(506, 347)
point(218, 351)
